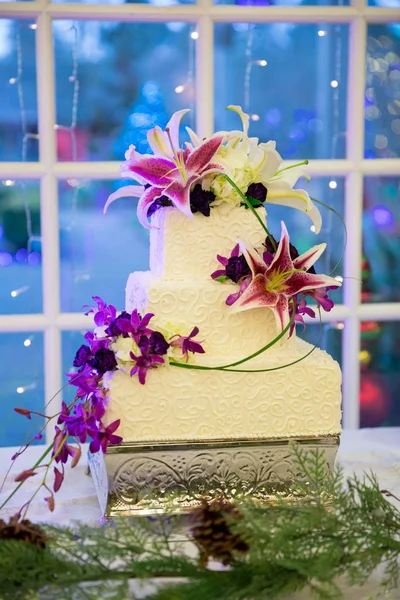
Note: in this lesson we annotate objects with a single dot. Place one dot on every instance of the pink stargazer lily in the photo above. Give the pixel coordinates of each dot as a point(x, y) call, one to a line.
point(171, 172)
point(274, 284)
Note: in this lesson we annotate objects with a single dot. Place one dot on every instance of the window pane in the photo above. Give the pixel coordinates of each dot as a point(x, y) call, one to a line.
point(380, 374)
point(329, 190)
point(20, 248)
point(384, 3)
point(153, 2)
point(382, 95)
point(381, 240)
point(22, 385)
point(97, 251)
point(18, 114)
point(328, 338)
point(114, 81)
point(284, 2)
point(290, 78)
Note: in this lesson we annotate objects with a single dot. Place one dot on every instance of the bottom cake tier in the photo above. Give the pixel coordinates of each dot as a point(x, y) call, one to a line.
point(184, 405)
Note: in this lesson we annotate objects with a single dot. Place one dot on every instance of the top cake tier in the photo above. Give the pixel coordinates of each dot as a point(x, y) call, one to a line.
point(182, 248)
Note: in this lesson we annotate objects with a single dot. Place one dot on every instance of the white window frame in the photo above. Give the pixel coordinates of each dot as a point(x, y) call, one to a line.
point(203, 14)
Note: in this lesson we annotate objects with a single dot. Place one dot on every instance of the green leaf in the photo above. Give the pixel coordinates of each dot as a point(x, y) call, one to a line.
point(222, 278)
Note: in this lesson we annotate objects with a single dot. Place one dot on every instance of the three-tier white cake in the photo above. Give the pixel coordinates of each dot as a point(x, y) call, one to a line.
point(302, 400)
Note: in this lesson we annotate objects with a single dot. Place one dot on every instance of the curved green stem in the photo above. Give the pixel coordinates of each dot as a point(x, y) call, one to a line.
point(37, 463)
point(288, 364)
point(251, 207)
point(335, 212)
point(238, 362)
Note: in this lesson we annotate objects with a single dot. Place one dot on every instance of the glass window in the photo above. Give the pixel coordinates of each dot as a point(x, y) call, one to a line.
point(18, 114)
point(114, 81)
point(328, 337)
point(20, 247)
point(382, 94)
point(380, 374)
point(381, 240)
point(284, 2)
point(97, 251)
point(291, 78)
point(22, 385)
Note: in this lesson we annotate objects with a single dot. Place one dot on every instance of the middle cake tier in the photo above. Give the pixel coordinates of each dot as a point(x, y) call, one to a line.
point(179, 306)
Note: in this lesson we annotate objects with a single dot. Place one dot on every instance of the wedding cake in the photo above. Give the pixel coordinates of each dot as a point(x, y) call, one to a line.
point(206, 348)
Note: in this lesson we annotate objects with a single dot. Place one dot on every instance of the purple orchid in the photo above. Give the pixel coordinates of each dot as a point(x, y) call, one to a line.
point(187, 344)
point(143, 363)
point(103, 314)
point(113, 329)
point(171, 172)
point(136, 326)
point(105, 436)
point(300, 307)
point(274, 284)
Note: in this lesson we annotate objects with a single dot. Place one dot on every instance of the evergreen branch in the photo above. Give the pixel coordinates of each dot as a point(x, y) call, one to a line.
point(307, 544)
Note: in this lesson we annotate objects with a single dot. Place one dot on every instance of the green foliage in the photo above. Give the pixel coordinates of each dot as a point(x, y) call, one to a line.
point(334, 529)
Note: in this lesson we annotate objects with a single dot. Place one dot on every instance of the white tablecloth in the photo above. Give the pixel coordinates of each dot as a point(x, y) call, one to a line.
point(360, 451)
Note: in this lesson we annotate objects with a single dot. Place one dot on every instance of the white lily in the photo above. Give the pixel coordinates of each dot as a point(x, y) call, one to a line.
point(251, 162)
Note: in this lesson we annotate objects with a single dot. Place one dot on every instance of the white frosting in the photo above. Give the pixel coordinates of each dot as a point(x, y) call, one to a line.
point(182, 248)
point(183, 404)
point(178, 306)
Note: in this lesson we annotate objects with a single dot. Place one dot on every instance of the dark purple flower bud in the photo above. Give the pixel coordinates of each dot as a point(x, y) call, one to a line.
point(237, 268)
point(258, 191)
point(158, 203)
point(200, 200)
point(156, 343)
point(82, 356)
point(104, 360)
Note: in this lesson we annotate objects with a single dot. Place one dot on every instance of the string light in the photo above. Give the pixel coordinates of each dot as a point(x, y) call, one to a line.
point(334, 83)
point(333, 184)
point(33, 26)
point(194, 35)
point(340, 326)
point(22, 389)
point(260, 63)
point(8, 182)
point(19, 291)
point(339, 278)
point(27, 342)
point(322, 32)
point(312, 228)
point(255, 117)
point(179, 89)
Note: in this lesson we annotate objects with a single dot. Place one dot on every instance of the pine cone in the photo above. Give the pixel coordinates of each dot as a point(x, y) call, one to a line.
point(24, 531)
point(212, 535)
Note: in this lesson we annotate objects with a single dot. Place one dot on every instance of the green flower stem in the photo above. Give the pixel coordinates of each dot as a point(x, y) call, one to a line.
point(283, 366)
point(251, 207)
point(344, 226)
point(300, 164)
point(243, 360)
point(37, 463)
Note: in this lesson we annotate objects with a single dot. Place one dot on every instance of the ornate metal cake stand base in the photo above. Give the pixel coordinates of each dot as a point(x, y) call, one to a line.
point(137, 479)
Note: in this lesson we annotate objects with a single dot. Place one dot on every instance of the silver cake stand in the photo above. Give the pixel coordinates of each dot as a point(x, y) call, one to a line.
point(137, 479)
